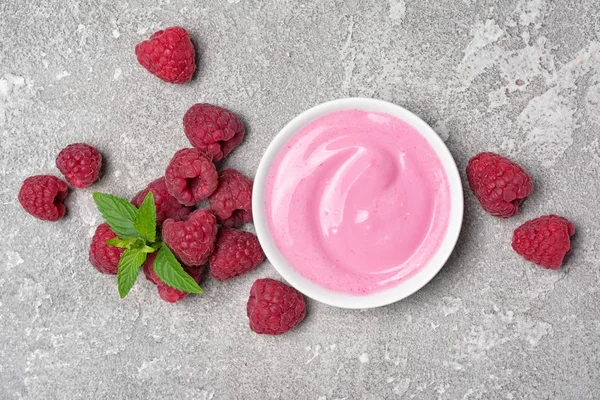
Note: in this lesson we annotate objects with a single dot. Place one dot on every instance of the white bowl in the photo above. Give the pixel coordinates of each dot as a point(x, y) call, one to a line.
point(404, 288)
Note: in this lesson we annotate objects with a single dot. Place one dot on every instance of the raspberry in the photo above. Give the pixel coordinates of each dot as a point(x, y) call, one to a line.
point(166, 292)
point(169, 54)
point(213, 130)
point(544, 241)
point(274, 307)
point(191, 177)
point(499, 184)
point(236, 252)
point(232, 201)
point(80, 163)
point(103, 257)
point(42, 197)
point(167, 206)
point(193, 240)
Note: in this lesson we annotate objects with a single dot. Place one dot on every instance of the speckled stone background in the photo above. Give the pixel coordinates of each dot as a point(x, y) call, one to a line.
point(520, 77)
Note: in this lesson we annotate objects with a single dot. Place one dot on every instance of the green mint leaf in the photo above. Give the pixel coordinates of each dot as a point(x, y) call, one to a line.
point(170, 271)
point(129, 268)
point(145, 218)
point(118, 213)
point(121, 243)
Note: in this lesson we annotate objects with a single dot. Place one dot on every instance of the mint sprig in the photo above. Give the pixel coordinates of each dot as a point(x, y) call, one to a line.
point(137, 234)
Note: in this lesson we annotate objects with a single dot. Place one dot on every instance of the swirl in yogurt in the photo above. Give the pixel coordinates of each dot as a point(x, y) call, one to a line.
point(357, 201)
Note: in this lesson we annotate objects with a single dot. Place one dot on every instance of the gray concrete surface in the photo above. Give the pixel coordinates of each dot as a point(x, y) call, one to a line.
point(520, 77)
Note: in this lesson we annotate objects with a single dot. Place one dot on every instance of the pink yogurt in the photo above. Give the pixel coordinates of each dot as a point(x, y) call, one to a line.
point(357, 201)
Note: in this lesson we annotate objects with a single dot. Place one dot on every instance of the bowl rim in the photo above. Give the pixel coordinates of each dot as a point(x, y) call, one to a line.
point(388, 295)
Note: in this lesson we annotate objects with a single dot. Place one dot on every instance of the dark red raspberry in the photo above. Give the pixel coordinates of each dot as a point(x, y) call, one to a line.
point(166, 292)
point(193, 240)
point(213, 130)
point(103, 257)
point(236, 252)
point(42, 197)
point(80, 163)
point(499, 184)
point(167, 206)
point(191, 177)
point(274, 307)
point(168, 54)
point(544, 240)
point(232, 201)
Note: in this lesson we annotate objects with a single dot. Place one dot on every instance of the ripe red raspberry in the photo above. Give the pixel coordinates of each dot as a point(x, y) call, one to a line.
point(236, 252)
point(103, 257)
point(42, 197)
point(499, 184)
point(232, 201)
point(193, 240)
point(167, 206)
point(213, 130)
point(168, 54)
point(166, 292)
point(274, 307)
point(80, 163)
point(191, 177)
point(544, 240)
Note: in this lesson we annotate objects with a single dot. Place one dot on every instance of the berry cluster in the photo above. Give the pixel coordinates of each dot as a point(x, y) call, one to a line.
point(501, 186)
point(42, 195)
point(197, 237)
